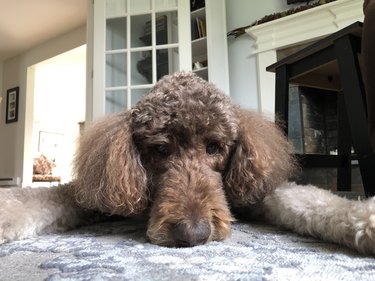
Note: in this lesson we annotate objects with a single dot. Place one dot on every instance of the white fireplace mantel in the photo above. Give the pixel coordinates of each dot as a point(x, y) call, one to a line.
point(292, 30)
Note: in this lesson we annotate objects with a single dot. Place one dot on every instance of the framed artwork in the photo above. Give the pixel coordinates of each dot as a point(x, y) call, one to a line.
point(50, 142)
point(12, 105)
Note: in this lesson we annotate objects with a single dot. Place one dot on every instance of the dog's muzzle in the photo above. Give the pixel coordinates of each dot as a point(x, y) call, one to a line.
point(189, 208)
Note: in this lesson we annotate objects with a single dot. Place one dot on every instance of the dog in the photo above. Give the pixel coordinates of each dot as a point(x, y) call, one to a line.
point(187, 158)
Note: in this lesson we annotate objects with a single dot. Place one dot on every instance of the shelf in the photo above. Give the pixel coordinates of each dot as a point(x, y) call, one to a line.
point(199, 47)
point(198, 23)
point(202, 72)
point(199, 41)
point(202, 69)
point(199, 13)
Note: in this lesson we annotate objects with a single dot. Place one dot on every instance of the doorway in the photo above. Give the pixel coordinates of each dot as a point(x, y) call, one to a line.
point(59, 88)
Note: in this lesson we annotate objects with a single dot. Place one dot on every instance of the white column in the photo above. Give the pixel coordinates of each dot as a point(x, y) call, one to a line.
point(266, 83)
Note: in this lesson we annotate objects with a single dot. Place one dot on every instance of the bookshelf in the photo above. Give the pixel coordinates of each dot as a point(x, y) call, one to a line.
point(209, 42)
point(199, 42)
point(198, 20)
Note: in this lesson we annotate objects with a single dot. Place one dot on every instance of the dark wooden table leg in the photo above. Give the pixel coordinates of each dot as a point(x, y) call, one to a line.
point(346, 49)
point(344, 145)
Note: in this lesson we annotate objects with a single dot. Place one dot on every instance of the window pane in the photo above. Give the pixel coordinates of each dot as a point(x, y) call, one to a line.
point(116, 34)
point(115, 70)
point(164, 4)
point(166, 28)
point(115, 7)
point(167, 62)
point(137, 94)
point(140, 31)
point(141, 68)
point(115, 101)
point(140, 6)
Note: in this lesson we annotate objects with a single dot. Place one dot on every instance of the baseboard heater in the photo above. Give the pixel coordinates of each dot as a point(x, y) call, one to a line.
point(8, 182)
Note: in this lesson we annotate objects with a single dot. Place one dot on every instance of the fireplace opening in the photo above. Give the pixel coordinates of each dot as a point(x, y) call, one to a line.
point(313, 129)
point(313, 120)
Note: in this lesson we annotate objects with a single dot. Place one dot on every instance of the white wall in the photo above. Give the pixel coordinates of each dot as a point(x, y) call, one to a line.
point(2, 94)
point(60, 84)
point(13, 136)
point(242, 65)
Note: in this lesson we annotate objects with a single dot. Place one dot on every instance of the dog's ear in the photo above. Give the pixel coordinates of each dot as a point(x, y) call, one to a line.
point(261, 160)
point(108, 173)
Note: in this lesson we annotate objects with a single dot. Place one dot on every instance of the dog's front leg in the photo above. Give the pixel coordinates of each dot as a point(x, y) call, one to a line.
point(25, 212)
point(313, 211)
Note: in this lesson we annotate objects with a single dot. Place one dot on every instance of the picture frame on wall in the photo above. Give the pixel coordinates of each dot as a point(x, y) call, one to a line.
point(50, 142)
point(12, 105)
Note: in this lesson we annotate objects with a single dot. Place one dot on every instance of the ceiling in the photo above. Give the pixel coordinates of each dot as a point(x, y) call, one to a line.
point(27, 23)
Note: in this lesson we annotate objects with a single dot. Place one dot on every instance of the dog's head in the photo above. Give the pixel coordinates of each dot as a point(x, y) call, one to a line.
point(183, 153)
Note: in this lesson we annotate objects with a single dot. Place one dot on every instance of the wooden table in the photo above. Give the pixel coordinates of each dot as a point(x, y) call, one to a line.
point(333, 63)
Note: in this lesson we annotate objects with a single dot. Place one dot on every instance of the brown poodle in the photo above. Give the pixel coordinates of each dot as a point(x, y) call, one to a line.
point(186, 156)
point(180, 151)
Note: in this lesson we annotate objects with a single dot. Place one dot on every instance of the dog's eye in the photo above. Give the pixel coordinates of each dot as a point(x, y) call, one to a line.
point(213, 148)
point(162, 149)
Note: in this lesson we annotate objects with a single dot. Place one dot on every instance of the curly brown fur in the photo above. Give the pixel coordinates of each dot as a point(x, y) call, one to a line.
point(262, 160)
point(184, 150)
point(108, 172)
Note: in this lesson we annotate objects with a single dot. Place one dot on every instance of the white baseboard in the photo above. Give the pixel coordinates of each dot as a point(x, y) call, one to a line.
point(10, 181)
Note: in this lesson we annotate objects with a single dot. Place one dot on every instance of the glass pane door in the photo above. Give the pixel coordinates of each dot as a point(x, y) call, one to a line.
point(141, 45)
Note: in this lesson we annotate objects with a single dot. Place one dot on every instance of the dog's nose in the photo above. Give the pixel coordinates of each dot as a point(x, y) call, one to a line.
point(191, 234)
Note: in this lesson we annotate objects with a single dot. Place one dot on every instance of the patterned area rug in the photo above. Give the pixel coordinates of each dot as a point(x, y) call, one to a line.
point(120, 251)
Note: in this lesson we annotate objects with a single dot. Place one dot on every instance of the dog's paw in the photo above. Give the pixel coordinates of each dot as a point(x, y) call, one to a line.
point(15, 222)
point(26, 212)
point(363, 223)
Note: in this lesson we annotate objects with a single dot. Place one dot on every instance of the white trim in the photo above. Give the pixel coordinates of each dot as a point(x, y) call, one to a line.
point(98, 80)
point(10, 182)
point(184, 35)
point(89, 62)
point(217, 54)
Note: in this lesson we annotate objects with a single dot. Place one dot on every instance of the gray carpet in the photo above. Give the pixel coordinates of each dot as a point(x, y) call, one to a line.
point(120, 251)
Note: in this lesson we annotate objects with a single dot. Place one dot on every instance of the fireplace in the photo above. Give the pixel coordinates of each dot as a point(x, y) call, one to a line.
point(313, 120)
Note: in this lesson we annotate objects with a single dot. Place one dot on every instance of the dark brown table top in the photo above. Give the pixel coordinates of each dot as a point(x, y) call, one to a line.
point(325, 76)
point(353, 29)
